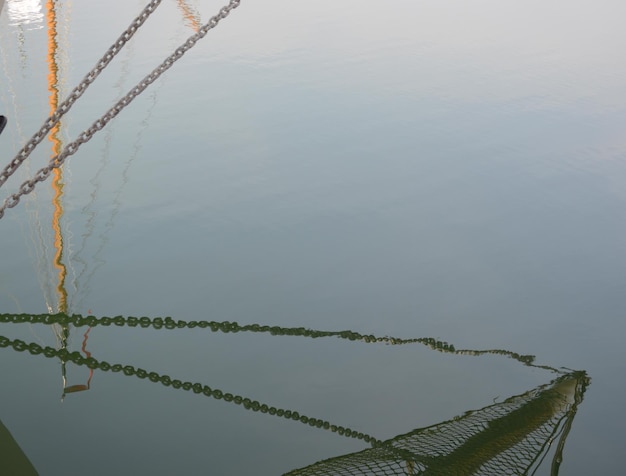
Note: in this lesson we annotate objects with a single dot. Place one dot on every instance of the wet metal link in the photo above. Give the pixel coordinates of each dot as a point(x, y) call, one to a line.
point(86, 135)
point(77, 92)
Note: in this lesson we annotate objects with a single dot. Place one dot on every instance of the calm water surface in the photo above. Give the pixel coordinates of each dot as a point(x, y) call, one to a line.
point(420, 170)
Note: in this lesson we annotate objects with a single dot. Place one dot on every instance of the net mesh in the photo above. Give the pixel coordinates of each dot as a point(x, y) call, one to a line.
point(507, 438)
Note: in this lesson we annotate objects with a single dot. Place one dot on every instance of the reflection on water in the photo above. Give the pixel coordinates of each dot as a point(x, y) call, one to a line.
point(58, 159)
point(191, 15)
point(511, 437)
point(14, 461)
point(57, 146)
point(63, 259)
point(25, 13)
point(475, 222)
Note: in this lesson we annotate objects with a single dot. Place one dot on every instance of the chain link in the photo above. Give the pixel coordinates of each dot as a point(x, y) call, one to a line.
point(197, 387)
point(226, 327)
point(86, 135)
point(507, 437)
point(233, 327)
point(77, 92)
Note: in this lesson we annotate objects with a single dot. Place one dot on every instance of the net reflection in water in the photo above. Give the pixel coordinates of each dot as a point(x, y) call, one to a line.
point(511, 437)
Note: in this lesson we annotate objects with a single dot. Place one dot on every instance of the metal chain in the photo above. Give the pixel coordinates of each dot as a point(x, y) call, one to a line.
point(43, 173)
point(197, 388)
point(436, 449)
point(225, 326)
point(233, 327)
point(78, 91)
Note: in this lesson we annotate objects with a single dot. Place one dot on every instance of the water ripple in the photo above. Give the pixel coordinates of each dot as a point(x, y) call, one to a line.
point(25, 13)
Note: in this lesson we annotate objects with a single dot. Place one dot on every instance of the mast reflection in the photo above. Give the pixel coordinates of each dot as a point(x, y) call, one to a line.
point(191, 16)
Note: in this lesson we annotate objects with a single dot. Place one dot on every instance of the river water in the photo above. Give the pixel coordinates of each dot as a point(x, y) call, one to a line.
point(417, 170)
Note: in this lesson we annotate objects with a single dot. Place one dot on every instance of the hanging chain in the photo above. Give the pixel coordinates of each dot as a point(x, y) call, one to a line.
point(78, 91)
point(224, 326)
point(391, 450)
point(197, 388)
point(58, 160)
point(233, 327)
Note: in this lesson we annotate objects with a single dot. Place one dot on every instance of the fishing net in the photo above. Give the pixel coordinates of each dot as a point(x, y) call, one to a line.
point(508, 438)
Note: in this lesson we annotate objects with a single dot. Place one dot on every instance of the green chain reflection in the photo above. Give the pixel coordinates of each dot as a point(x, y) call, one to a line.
point(512, 434)
point(198, 388)
point(232, 327)
point(515, 434)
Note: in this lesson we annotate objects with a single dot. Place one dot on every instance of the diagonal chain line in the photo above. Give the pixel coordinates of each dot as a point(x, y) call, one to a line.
point(509, 437)
point(196, 387)
point(233, 327)
point(527, 423)
point(78, 91)
point(58, 160)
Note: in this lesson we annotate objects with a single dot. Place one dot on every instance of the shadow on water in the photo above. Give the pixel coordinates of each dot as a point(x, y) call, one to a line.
point(520, 435)
point(13, 460)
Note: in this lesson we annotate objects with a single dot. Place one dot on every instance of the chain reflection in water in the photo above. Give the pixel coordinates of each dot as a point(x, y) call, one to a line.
point(226, 326)
point(198, 388)
point(511, 437)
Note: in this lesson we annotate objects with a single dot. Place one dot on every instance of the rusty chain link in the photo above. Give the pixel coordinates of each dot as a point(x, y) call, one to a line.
point(58, 160)
point(78, 91)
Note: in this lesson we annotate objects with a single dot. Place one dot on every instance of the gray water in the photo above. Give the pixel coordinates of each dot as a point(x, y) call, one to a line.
point(415, 169)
